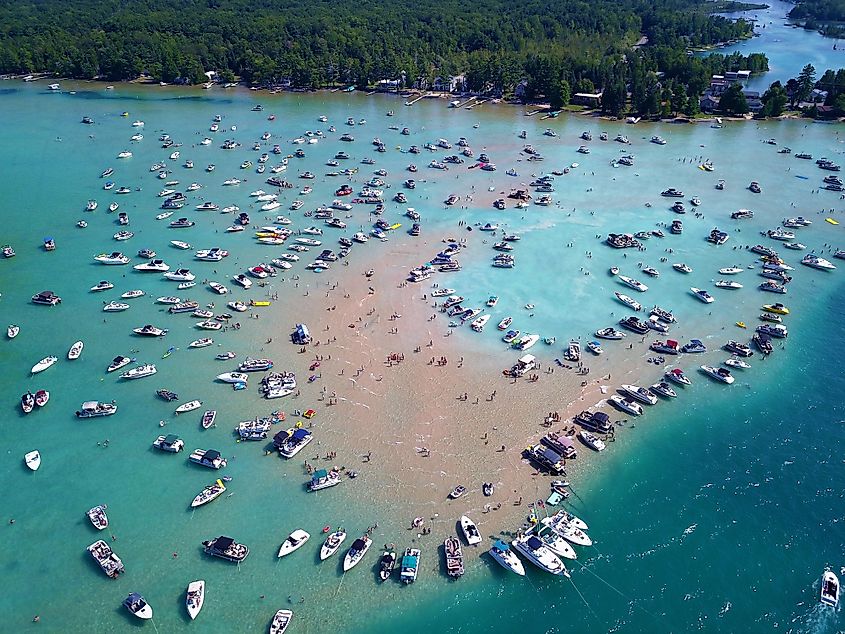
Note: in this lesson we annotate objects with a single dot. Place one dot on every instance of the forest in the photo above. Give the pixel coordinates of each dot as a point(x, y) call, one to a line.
point(558, 47)
point(825, 16)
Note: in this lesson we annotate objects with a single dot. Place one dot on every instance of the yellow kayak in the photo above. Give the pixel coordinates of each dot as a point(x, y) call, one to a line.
point(832, 221)
point(741, 324)
point(254, 303)
point(396, 226)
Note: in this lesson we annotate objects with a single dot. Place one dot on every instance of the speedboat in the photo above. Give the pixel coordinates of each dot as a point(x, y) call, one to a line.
point(210, 458)
point(27, 402)
point(75, 351)
point(829, 594)
point(32, 460)
point(664, 389)
point(410, 565)
point(42, 365)
point(776, 308)
point(635, 284)
point(152, 266)
point(591, 440)
point(470, 531)
point(640, 393)
point(729, 284)
point(195, 597)
point(137, 605)
point(703, 295)
point(332, 544)
point(113, 258)
point(626, 405)
point(720, 374)
point(294, 541)
point(356, 553)
point(505, 557)
point(226, 548)
point(816, 262)
point(386, 564)
point(628, 301)
point(735, 362)
point(103, 285)
point(539, 554)
point(738, 349)
point(188, 407)
point(148, 369)
point(233, 377)
point(730, 270)
point(677, 375)
point(150, 331)
point(280, 621)
point(610, 333)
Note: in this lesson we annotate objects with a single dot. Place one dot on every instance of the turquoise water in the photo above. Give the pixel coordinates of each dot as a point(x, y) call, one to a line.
point(788, 48)
point(717, 513)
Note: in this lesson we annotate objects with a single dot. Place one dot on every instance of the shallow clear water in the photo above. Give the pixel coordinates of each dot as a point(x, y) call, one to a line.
point(717, 512)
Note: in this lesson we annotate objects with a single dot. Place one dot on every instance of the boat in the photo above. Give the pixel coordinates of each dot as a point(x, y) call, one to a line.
point(505, 557)
point(153, 266)
point(829, 594)
point(75, 350)
point(730, 270)
point(139, 372)
point(457, 492)
point(720, 374)
point(738, 349)
point(119, 362)
point(410, 565)
point(591, 440)
point(454, 557)
point(635, 284)
point(703, 295)
point(626, 405)
point(170, 443)
point(356, 552)
point(682, 268)
point(663, 389)
point(609, 333)
point(188, 407)
point(323, 479)
point(677, 375)
point(734, 362)
point(814, 261)
point(195, 597)
point(470, 531)
point(27, 402)
point(32, 460)
point(292, 441)
point(595, 347)
point(150, 331)
point(386, 564)
point(42, 365)
point(573, 352)
point(294, 542)
point(539, 554)
point(106, 558)
point(226, 548)
point(97, 516)
point(729, 284)
point(694, 346)
point(332, 544)
point(112, 259)
point(280, 621)
point(776, 308)
point(628, 301)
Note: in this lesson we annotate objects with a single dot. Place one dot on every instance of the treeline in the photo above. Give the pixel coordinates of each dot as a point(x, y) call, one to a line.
point(343, 41)
point(819, 10)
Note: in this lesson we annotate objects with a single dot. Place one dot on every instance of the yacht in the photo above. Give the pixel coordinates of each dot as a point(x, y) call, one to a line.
point(103, 285)
point(729, 284)
point(610, 333)
point(139, 372)
point(539, 554)
point(635, 325)
point(738, 349)
point(591, 440)
point(152, 266)
point(150, 331)
point(292, 441)
point(505, 557)
point(626, 405)
point(640, 393)
point(170, 443)
point(720, 374)
point(694, 346)
point(730, 270)
point(356, 552)
point(635, 284)
point(816, 262)
point(93, 409)
point(704, 296)
point(664, 389)
point(735, 362)
point(114, 258)
point(628, 301)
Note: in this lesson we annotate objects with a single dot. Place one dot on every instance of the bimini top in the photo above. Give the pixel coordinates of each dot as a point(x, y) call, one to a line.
point(551, 455)
point(319, 474)
point(211, 454)
point(171, 438)
point(534, 543)
point(358, 544)
point(300, 433)
point(223, 543)
point(409, 561)
point(600, 417)
point(500, 545)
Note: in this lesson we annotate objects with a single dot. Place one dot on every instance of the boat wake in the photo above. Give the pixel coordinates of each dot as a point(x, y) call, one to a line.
point(817, 620)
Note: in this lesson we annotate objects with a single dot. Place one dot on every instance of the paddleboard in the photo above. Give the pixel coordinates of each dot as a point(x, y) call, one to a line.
point(832, 221)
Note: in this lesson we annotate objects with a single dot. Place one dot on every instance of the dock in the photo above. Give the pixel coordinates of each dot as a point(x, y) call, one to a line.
point(477, 103)
point(466, 103)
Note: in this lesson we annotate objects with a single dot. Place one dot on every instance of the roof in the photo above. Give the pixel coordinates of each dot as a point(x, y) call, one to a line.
point(211, 454)
point(171, 438)
point(534, 543)
point(222, 543)
point(600, 416)
point(551, 455)
point(300, 433)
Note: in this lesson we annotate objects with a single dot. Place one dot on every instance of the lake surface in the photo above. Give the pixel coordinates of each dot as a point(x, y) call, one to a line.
point(714, 513)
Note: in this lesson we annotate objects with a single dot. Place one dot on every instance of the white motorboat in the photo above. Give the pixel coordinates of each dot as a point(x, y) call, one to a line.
point(170, 443)
point(103, 285)
point(505, 557)
point(201, 343)
point(152, 266)
point(280, 622)
point(664, 389)
point(729, 284)
point(829, 594)
point(119, 362)
point(42, 365)
point(218, 288)
point(640, 393)
point(735, 362)
point(133, 294)
point(539, 554)
point(470, 531)
point(115, 307)
point(233, 377)
point(75, 351)
point(294, 541)
point(94, 409)
point(139, 372)
point(730, 270)
point(179, 244)
point(356, 552)
point(703, 295)
point(628, 301)
point(149, 331)
point(115, 258)
point(332, 544)
point(814, 261)
point(188, 407)
point(635, 284)
point(720, 374)
point(180, 275)
point(32, 460)
point(626, 405)
point(195, 598)
point(591, 440)
point(169, 299)
point(410, 565)
point(677, 375)
point(137, 605)
point(97, 516)
point(12, 331)
point(554, 542)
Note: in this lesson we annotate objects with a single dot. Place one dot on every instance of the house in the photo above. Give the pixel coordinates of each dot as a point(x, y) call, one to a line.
point(388, 84)
point(752, 98)
point(521, 89)
point(818, 95)
point(454, 83)
point(590, 99)
point(709, 103)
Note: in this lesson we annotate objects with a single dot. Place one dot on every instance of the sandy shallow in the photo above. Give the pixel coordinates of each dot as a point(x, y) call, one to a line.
point(414, 427)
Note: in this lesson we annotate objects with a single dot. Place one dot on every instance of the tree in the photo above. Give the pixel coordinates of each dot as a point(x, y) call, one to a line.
point(733, 100)
point(774, 100)
point(679, 99)
point(559, 94)
point(806, 81)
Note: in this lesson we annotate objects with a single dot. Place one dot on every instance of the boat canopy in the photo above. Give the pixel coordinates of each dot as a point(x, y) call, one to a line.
point(211, 454)
point(320, 474)
point(528, 359)
point(534, 543)
point(171, 438)
point(552, 456)
point(280, 438)
point(600, 417)
point(409, 561)
point(300, 433)
point(565, 441)
point(358, 544)
point(501, 545)
point(223, 543)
